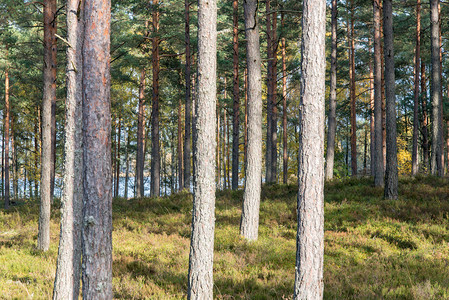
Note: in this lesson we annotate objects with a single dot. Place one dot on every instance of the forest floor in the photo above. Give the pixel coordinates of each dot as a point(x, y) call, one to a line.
point(374, 248)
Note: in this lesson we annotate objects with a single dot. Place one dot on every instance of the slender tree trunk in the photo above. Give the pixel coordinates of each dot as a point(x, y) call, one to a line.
point(249, 224)
point(284, 113)
point(274, 115)
point(228, 158)
point(378, 132)
point(180, 157)
point(391, 171)
point(3, 159)
point(425, 133)
point(36, 156)
point(53, 97)
point(236, 107)
point(436, 165)
point(365, 151)
point(416, 90)
point(15, 178)
point(49, 93)
point(332, 122)
point(117, 164)
point(224, 147)
point(140, 157)
point(97, 211)
point(310, 237)
point(245, 154)
point(68, 267)
point(352, 93)
point(269, 147)
point(440, 47)
point(6, 137)
point(188, 123)
point(218, 158)
point(155, 147)
point(127, 164)
point(200, 284)
point(372, 118)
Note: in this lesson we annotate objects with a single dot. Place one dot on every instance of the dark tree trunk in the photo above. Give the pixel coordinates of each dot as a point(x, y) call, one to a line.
point(180, 157)
point(378, 132)
point(284, 113)
point(117, 162)
point(140, 156)
point(188, 122)
point(310, 237)
point(155, 147)
point(97, 211)
point(236, 107)
point(249, 224)
point(425, 132)
point(269, 141)
point(274, 115)
point(372, 118)
point(391, 171)
point(332, 122)
point(6, 137)
point(49, 96)
point(416, 90)
point(352, 92)
point(245, 155)
point(200, 283)
point(127, 164)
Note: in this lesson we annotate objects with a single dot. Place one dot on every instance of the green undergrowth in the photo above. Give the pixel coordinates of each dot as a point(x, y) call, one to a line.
point(374, 248)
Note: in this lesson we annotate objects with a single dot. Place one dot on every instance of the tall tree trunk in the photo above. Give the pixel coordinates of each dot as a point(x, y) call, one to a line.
point(332, 122)
point(425, 133)
point(352, 93)
point(68, 267)
point(378, 132)
point(245, 154)
point(36, 155)
point(6, 137)
point(180, 157)
point(284, 113)
point(155, 147)
point(440, 47)
point(218, 158)
point(15, 166)
point(97, 211)
point(365, 150)
point(391, 171)
point(269, 141)
point(436, 165)
point(372, 118)
point(200, 284)
point(117, 163)
point(53, 98)
point(416, 90)
point(188, 118)
point(140, 156)
point(236, 107)
point(223, 150)
point(127, 164)
point(310, 237)
point(249, 224)
point(49, 94)
point(274, 115)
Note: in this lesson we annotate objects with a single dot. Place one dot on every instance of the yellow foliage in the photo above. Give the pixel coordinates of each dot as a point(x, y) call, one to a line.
point(404, 158)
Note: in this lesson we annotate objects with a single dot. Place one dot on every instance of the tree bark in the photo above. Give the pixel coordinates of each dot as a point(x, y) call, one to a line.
point(269, 141)
point(332, 122)
point(140, 157)
point(372, 118)
point(155, 147)
point(436, 165)
point(236, 107)
point(352, 92)
point(425, 133)
point(97, 211)
point(284, 113)
point(127, 164)
point(416, 90)
point(180, 156)
point(249, 224)
point(49, 94)
point(188, 118)
point(68, 266)
point(391, 171)
point(274, 115)
point(6, 130)
point(245, 154)
point(378, 131)
point(200, 284)
point(310, 237)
